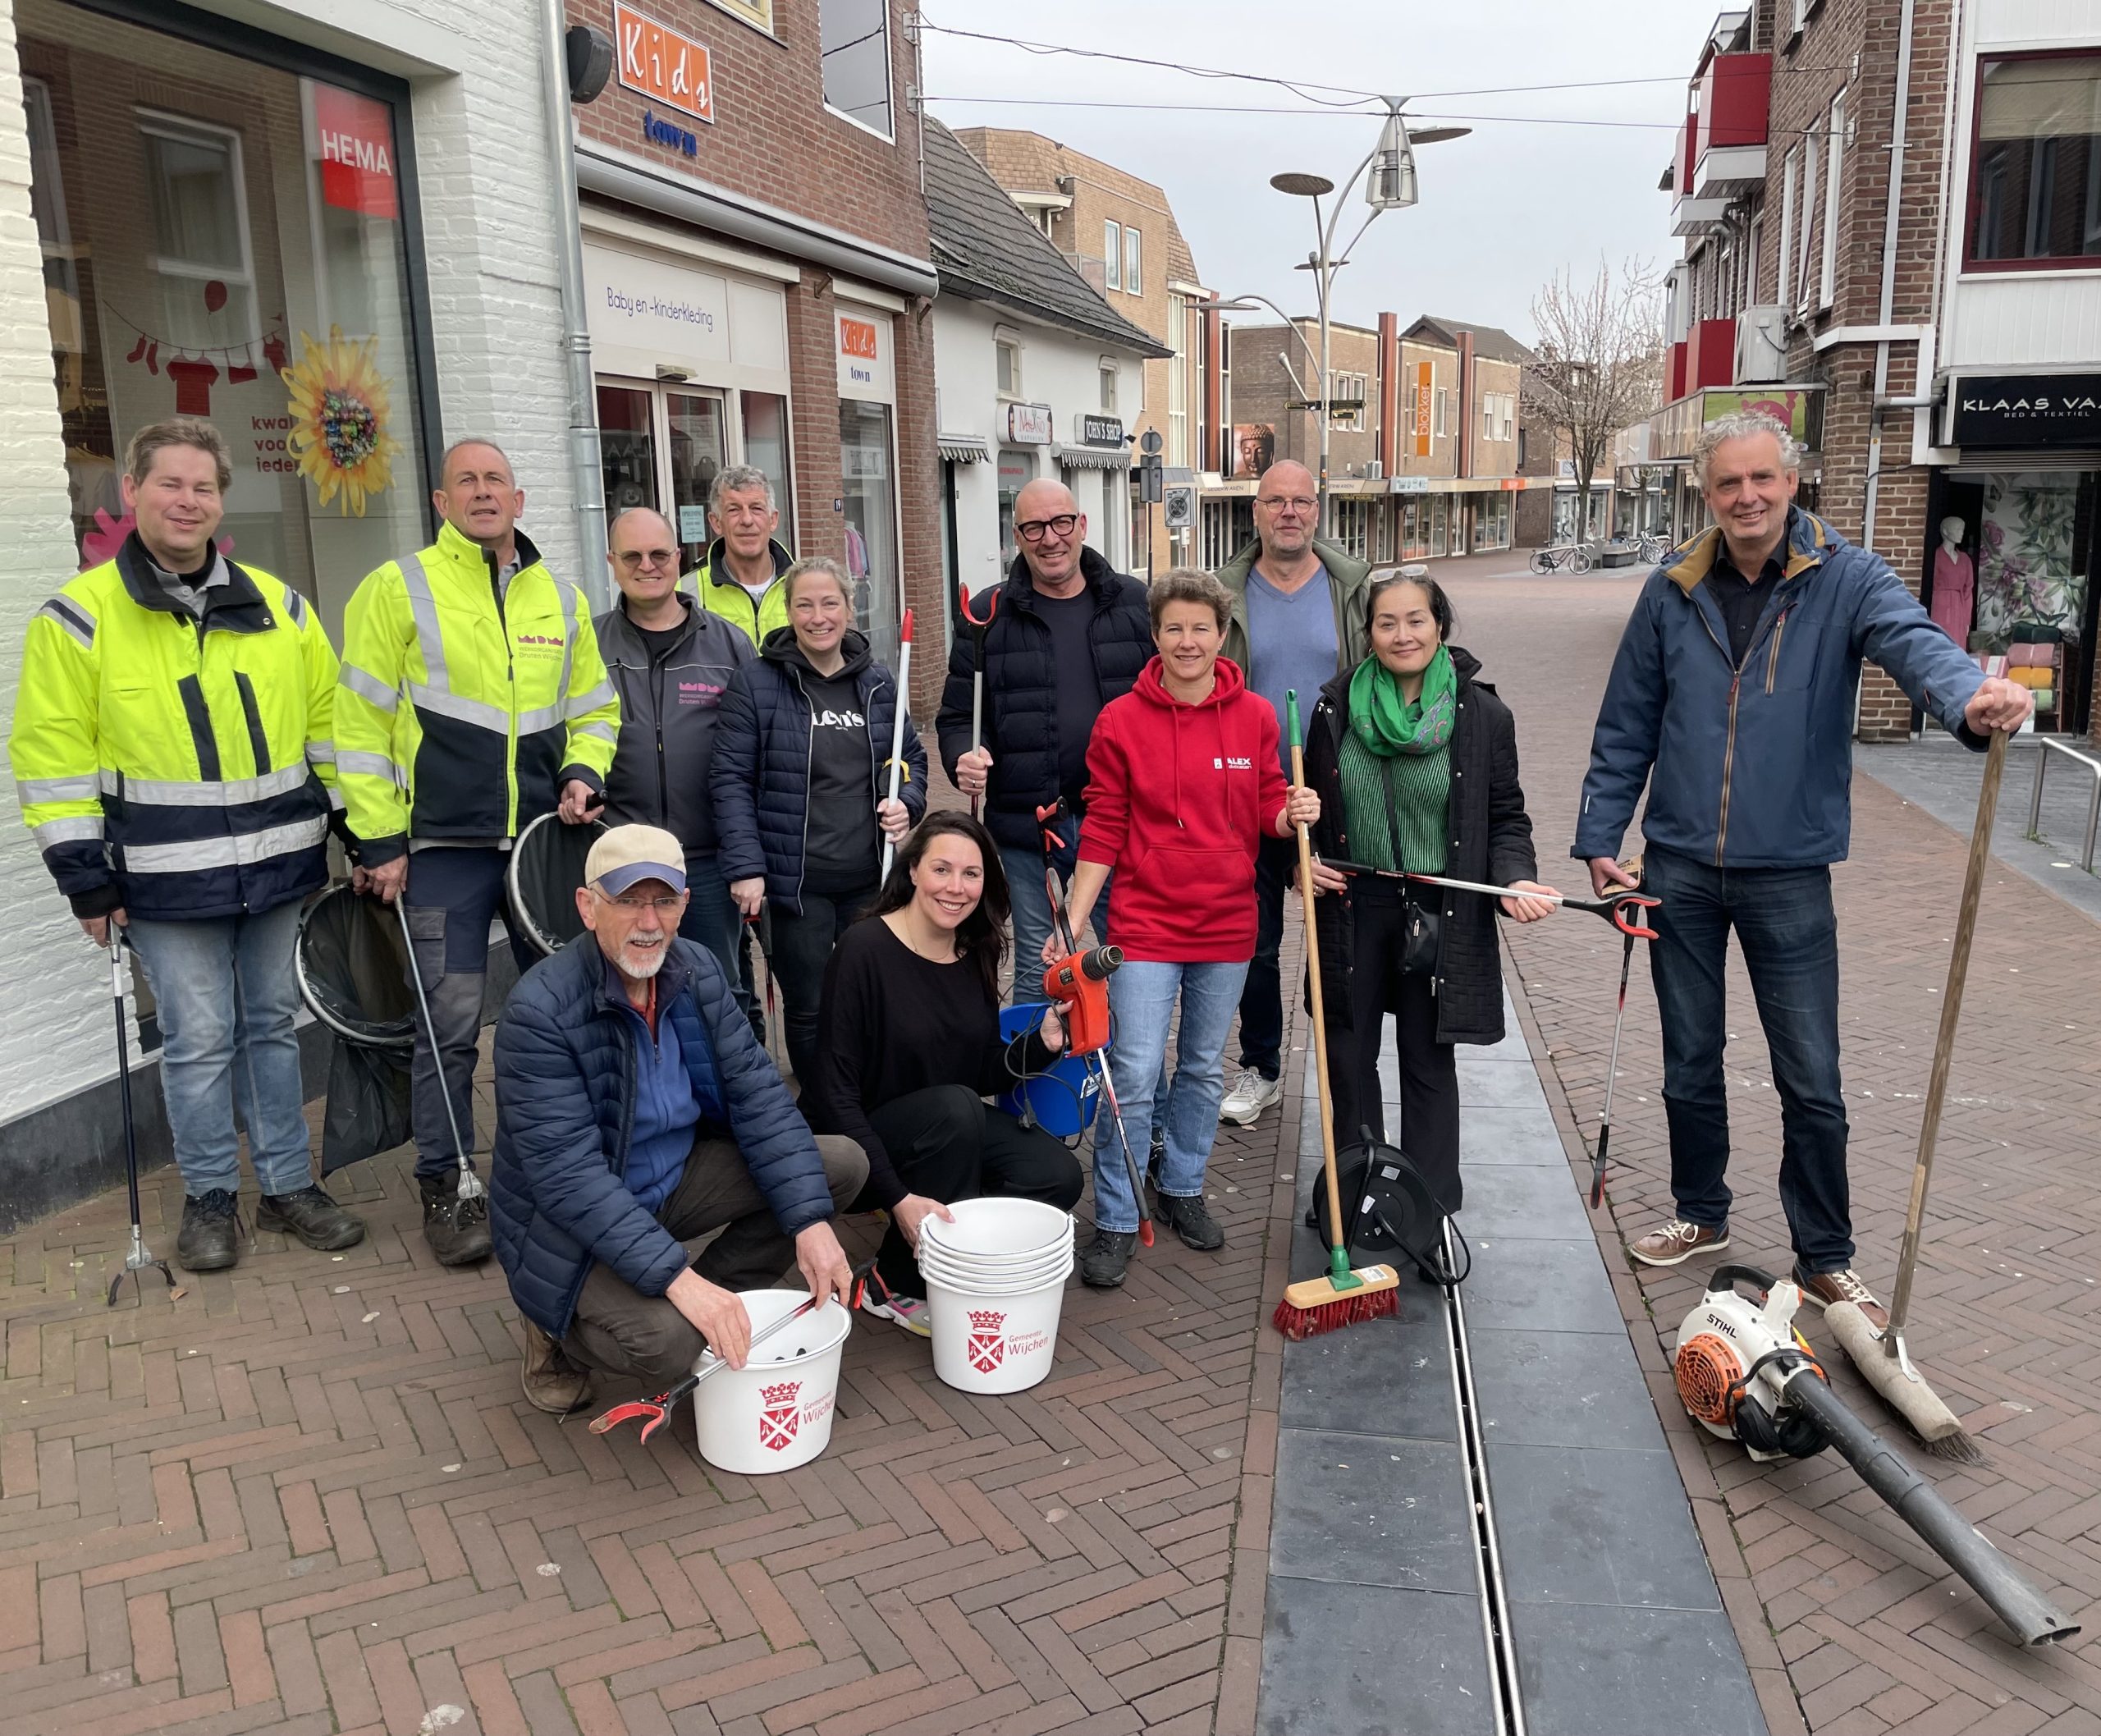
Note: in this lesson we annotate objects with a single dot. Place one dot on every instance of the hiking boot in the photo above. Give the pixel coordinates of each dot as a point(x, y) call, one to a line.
point(311, 1215)
point(1191, 1220)
point(1103, 1265)
point(1678, 1241)
point(209, 1240)
point(1825, 1288)
point(553, 1383)
point(1251, 1093)
point(456, 1229)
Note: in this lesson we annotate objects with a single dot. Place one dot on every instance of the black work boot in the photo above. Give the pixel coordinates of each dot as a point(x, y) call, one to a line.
point(456, 1229)
point(311, 1214)
point(1192, 1221)
point(1103, 1265)
point(209, 1240)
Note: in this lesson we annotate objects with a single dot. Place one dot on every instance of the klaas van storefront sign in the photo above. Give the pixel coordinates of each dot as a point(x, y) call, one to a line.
point(2025, 409)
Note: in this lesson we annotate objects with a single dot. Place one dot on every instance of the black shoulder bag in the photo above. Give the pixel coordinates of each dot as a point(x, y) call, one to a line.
point(1419, 944)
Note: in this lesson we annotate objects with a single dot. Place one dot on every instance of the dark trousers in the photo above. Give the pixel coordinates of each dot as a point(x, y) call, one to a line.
point(646, 1338)
point(947, 1144)
point(1789, 933)
point(802, 947)
point(712, 920)
point(453, 895)
point(1428, 1074)
point(1261, 997)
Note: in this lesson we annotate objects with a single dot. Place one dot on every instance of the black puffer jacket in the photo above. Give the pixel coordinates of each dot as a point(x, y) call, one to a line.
point(1021, 695)
point(1491, 840)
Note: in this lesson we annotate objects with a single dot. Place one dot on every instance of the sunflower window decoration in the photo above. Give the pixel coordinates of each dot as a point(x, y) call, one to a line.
point(339, 410)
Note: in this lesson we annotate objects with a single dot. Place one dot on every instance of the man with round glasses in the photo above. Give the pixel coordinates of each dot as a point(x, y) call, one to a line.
point(1070, 633)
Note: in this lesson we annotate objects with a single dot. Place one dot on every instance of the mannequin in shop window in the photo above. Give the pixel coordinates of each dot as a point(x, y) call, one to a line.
point(1955, 583)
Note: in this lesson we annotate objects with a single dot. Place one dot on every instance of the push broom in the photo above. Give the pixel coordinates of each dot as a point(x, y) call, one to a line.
point(1339, 1297)
point(1881, 1357)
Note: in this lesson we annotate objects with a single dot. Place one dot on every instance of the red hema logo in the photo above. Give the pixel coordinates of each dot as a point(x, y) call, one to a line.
point(988, 1343)
point(778, 1419)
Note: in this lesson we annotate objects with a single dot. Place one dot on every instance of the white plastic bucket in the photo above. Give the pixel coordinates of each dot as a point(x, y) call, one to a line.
point(972, 1285)
point(775, 1414)
point(967, 1271)
point(1000, 1227)
point(994, 1341)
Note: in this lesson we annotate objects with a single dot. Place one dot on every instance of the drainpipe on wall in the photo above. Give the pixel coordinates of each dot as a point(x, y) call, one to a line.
point(588, 477)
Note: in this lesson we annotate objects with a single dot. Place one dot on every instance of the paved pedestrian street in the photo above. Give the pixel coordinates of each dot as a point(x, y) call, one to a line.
point(307, 1495)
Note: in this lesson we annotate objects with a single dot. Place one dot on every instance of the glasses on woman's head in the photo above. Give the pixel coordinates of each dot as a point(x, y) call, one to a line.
point(1034, 530)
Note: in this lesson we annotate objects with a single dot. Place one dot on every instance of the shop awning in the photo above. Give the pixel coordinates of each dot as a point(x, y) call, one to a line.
point(962, 448)
point(1093, 457)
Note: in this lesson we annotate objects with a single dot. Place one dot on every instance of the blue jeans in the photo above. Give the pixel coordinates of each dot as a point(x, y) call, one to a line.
point(227, 994)
point(1142, 998)
point(1784, 922)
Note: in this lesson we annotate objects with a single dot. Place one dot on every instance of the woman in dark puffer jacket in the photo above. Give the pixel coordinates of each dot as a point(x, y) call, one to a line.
point(799, 782)
point(1415, 763)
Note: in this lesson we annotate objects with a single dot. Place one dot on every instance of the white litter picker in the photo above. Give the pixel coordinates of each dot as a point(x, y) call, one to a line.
point(1745, 1374)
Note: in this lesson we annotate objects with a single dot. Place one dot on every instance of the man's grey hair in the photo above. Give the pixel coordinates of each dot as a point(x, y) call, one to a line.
point(1742, 424)
point(739, 477)
point(445, 458)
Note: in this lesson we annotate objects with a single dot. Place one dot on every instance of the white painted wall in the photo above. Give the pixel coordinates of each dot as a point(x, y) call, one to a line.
point(488, 230)
point(2037, 321)
point(1059, 368)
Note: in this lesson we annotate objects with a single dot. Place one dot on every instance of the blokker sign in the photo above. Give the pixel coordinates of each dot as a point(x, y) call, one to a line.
point(2032, 409)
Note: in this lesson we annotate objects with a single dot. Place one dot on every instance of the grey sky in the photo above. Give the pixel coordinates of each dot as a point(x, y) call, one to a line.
point(1501, 210)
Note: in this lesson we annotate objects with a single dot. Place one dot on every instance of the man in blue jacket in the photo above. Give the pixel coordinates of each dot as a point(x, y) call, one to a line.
point(635, 1114)
point(1733, 698)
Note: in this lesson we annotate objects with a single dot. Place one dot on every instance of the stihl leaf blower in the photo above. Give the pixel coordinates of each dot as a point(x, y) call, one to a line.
point(1743, 1373)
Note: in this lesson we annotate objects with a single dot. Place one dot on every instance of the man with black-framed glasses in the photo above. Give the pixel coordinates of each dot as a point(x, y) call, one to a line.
point(1298, 621)
point(1070, 633)
point(669, 660)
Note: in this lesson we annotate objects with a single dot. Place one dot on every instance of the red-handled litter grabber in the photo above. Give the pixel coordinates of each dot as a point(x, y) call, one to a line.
point(978, 630)
point(657, 1409)
point(1622, 907)
point(1079, 982)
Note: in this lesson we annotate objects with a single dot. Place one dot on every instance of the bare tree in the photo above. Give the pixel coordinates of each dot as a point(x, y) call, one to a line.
point(1599, 364)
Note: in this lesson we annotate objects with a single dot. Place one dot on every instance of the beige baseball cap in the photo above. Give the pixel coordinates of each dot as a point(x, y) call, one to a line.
point(626, 854)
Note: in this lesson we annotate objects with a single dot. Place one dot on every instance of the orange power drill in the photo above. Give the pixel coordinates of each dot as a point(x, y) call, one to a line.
point(1080, 986)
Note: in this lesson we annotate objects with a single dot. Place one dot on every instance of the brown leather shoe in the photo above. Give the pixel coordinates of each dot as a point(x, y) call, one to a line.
point(1678, 1241)
point(553, 1383)
point(1825, 1288)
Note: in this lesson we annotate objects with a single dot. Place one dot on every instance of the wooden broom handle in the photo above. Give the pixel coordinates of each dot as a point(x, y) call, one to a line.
point(1320, 1022)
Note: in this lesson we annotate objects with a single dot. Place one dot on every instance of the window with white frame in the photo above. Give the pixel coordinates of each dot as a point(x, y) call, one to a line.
point(1108, 388)
point(1133, 271)
point(1346, 400)
point(1791, 176)
point(1834, 158)
point(200, 231)
point(1751, 255)
point(1350, 526)
point(2035, 162)
point(1812, 252)
point(1178, 381)
point(1008, 363)
point(1112, 254)
point(854, 43)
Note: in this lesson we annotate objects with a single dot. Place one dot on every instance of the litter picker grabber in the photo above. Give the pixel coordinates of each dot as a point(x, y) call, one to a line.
point(756, 926)
point(978, 630)
point(1339, 1297)
point(138, 1258)
point(661, 1407)
point(470, 1183)
point(897, 727)
point(1611, 1073)
point(1883, 1358)
point(1622, 907)
point(1079, 982)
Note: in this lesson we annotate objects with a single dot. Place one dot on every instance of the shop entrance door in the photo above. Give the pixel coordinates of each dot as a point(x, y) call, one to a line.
point(662, 446)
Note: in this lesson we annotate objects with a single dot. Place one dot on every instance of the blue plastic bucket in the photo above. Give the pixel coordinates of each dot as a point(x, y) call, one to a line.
point(1062, 1101)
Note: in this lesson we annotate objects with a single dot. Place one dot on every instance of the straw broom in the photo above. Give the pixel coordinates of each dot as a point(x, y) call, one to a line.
point(1339, 1297)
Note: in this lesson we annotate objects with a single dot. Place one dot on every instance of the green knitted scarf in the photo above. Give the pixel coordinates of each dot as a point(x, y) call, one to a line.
point(1382, 718)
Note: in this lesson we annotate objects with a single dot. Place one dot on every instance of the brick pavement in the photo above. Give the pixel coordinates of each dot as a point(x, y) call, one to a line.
point(1848, 1624)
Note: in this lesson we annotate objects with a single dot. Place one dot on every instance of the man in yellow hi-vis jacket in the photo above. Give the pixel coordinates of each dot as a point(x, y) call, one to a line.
point(473, 700)
point(172, 753)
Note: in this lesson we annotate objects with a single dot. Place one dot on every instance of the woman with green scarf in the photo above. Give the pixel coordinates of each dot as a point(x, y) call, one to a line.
point(1415, 760)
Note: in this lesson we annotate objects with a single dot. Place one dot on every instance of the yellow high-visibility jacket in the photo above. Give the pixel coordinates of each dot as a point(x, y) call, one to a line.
point(174, 767)
point(461, 711)
point(717, 590)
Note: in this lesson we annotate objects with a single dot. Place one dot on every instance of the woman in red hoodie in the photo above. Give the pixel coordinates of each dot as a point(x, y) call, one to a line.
point(1183, 780)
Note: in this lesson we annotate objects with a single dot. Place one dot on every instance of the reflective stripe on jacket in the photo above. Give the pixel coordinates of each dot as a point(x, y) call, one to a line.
point(462, 710)
point(174, 767)
point(717, 590)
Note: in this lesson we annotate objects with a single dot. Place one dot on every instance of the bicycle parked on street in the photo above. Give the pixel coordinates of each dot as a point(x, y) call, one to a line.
point(1654, 547)
point(1569, 556)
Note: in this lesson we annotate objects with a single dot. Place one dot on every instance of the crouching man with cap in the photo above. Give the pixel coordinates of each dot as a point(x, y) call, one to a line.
point(636, 1114)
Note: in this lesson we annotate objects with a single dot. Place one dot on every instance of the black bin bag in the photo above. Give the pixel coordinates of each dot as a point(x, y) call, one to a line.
point(540, 883)
point(353, 975)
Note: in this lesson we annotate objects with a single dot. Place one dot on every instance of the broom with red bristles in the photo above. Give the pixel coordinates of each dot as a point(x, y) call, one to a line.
point(1339, 1297)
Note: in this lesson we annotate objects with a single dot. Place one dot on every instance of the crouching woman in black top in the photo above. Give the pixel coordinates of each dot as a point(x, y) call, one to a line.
point(909, 1048)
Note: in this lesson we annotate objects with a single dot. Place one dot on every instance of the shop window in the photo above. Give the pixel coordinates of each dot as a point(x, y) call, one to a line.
point(766, 445)
point(2035, 187)
point(1017, 470)
point(1112, 254)
point(246, 263)
point(695, 447)
point(1352, 527)
point(855, 42)
point(868, 487)
point(627, 448)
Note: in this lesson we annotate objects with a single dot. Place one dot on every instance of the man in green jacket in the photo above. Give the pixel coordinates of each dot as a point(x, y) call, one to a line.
point(1297, 622)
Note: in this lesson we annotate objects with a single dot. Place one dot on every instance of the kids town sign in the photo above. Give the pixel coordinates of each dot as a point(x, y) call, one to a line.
point(660, 63)
point(2025, 409)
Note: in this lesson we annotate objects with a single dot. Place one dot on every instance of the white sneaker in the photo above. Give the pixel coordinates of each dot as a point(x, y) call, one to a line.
point(910, 1312)
point(1249, 1095)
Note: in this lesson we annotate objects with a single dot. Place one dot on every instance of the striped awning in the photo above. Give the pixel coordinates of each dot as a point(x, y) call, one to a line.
point(1093, 457)
point(962, 448)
